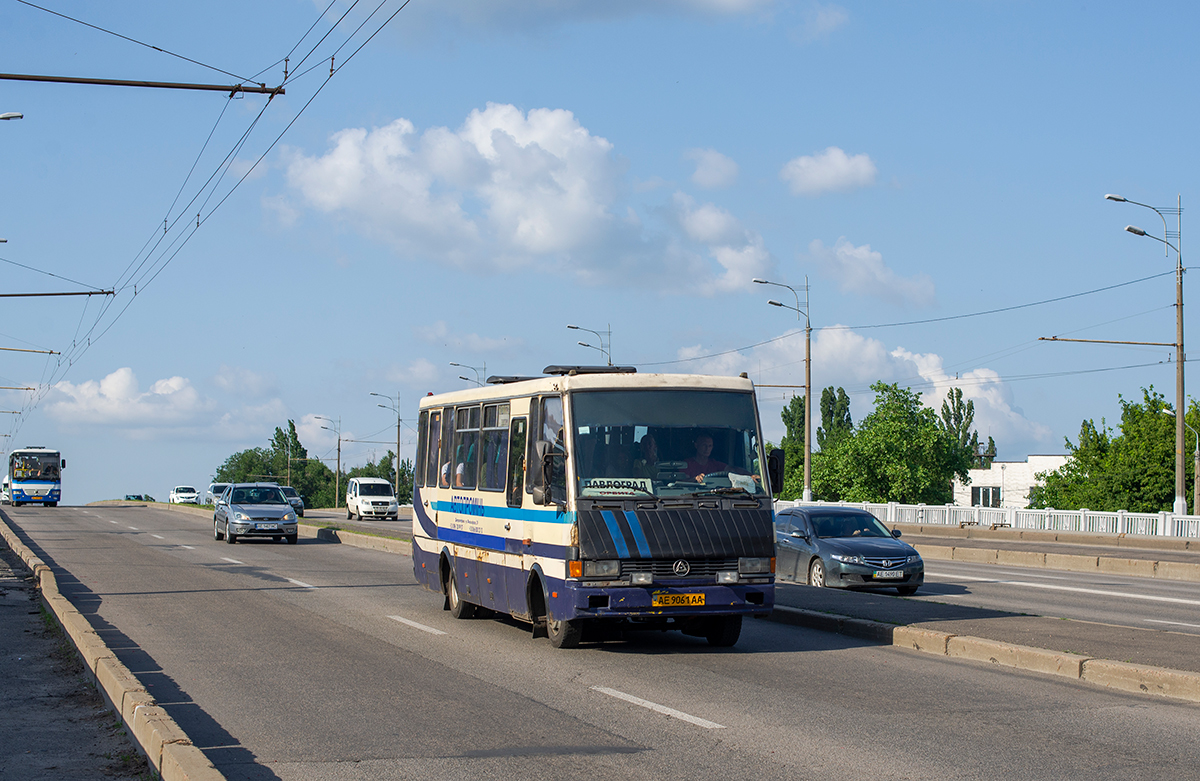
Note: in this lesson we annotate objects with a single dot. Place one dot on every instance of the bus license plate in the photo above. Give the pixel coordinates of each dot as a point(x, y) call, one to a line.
point(678, 600)
point(268, 527)
point(889, 574)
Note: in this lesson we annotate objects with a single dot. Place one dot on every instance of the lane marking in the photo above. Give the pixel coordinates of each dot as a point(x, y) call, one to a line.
point(415, 625)
point(134, 528)
point(663, 709)
point(189, 547)
point(157, 537)
point(1077, 590)
point(1172, 623)
point(299, 583)
point(232, 561)
point(112, 521)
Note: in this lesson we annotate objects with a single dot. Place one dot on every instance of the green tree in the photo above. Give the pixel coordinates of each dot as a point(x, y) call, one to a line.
point(835, 418)
point(793, 449)
point(1132, 470)
point(899, 453)
point(312, 479)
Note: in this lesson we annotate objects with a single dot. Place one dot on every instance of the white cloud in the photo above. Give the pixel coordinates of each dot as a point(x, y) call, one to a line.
point(740, 252)
point(509, 190)
point(820, 21)
point(526, 15)
point(117, 401)
point(713, 169)
point(861, 270)
point(439, 333)
point(244, 382)
point(829, 171)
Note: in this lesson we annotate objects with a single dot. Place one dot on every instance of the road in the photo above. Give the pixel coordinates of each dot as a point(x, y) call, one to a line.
point(1112, 599)
point(321, 661)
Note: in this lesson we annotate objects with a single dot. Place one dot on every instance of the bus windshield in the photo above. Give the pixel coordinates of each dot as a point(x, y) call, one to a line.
point(674, 442)
point(35, 466)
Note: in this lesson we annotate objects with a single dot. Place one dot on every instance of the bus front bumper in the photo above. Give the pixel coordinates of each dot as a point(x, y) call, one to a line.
point(659, 602)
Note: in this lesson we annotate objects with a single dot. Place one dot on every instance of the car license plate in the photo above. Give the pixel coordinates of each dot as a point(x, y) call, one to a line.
point(269, 527)
point(678, 600)
point(889, 574)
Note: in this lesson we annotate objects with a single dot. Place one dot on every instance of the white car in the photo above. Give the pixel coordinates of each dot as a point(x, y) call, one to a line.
point(183, 494)
point(371, 497)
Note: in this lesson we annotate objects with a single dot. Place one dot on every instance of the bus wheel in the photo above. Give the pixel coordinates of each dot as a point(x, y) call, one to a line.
point(725, 631)
point(458, 608)
point(52, 504)
point(565, 634)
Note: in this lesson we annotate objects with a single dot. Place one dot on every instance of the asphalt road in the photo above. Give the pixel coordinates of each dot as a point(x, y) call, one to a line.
point(321, 661)
point(1145, 603)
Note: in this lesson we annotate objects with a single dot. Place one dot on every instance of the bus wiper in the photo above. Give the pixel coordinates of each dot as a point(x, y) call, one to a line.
point(733, 489)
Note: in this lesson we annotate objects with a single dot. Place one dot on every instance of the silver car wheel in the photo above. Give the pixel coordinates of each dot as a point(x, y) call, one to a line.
point(816, 574)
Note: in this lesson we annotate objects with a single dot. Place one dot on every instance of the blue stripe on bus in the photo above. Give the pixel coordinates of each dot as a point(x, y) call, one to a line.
point(504, 513)
point(488, 541)
point(618, 536)
point(639, 535)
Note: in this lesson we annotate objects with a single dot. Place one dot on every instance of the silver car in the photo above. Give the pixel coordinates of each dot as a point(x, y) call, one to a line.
point(254, 510)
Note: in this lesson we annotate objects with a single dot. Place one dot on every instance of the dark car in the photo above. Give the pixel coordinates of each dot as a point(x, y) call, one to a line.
point(254, 510)
point(844, 547)
point(294, 498)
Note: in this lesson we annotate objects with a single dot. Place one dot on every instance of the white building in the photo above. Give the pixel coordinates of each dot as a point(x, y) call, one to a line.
point(1006, 483)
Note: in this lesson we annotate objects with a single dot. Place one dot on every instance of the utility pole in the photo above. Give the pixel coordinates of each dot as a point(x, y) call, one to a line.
point(337, 476)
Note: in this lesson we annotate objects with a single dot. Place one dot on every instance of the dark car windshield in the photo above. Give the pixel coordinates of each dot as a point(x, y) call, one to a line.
point(265, 495)
point(374, 489)
point(289, 491)
point(847, 525)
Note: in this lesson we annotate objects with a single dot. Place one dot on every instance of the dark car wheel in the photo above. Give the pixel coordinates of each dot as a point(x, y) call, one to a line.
point(816, 573)
point(725, 631)
point(291, 539)
point(564, 634)
point(906, 591)
point(349, 515)
point(458, 608)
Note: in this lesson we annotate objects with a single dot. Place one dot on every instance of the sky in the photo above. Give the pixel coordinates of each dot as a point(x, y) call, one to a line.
point(469, 178)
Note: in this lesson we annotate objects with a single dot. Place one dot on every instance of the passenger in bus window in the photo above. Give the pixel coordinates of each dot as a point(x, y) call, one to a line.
point(646, 465)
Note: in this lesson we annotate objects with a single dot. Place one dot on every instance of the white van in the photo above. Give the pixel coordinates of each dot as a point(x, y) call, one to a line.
point(371, 497)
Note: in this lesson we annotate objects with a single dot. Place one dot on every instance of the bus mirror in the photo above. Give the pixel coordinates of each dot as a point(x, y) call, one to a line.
point(539, 495)
point(775, 461)
point(64, 463)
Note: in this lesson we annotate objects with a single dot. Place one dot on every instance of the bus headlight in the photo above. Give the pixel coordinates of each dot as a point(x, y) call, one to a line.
point(756, 566)
point(727, 577)
point(602, 569)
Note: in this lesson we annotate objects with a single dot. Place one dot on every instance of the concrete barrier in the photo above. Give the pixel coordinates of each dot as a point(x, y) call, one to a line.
point(1020, 656)
point(1143, 678)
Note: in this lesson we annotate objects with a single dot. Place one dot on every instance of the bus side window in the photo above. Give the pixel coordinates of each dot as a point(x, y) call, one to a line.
point(466, 447)
point(434, 437)
point(532, 470)
point(494, 461)
point(516, 462)
point(447, 457)
point(422, 453)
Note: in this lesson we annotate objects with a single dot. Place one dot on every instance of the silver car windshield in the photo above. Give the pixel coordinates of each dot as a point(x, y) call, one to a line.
point(268, 495)
point(665, 442)
point(844, 525)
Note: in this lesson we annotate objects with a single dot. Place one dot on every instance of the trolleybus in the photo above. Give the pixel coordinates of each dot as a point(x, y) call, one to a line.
point(597, 495)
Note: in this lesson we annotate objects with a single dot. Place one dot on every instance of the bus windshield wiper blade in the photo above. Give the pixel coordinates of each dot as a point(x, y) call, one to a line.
point(720, 491)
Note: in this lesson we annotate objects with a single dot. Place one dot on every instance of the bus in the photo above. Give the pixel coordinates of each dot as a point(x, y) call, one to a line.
point(35, 475)
point(580, 500)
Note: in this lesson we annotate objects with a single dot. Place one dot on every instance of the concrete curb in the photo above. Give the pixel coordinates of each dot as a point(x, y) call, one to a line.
point(367, 541)
point(156, 734)
point(1137, 678)
point(1109, 565)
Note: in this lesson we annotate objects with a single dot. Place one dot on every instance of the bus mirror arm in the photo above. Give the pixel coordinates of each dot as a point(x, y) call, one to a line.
point(775, 463)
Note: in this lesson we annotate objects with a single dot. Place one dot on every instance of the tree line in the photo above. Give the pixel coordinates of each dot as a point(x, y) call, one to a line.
point(286, 461)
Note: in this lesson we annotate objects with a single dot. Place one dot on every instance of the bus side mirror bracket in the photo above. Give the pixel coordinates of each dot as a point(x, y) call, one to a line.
point(775, 463)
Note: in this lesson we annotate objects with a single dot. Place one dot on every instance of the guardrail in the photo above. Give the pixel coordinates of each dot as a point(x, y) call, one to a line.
point(1161, 524)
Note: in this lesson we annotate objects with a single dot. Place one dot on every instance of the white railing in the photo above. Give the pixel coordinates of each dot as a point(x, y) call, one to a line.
point(1162, 524)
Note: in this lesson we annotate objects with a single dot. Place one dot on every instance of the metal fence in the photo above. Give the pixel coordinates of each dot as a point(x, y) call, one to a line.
point(1162, 524)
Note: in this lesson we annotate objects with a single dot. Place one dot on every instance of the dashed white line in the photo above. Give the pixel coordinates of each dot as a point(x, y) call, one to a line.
point(189, 547)
point(415, 625)
point(231, 561)
point(1172, 623)
point(299, 583)
point(112, 521)
point(157, 537)
point(663, 709)
point(134, 528)
point(1052, 587)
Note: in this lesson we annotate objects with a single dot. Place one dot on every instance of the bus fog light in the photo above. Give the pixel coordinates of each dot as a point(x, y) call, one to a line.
point(727, 577)
point(602, 569)
point(642, 578)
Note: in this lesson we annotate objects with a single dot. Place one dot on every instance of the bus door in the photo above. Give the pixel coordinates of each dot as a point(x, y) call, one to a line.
point(517, 569)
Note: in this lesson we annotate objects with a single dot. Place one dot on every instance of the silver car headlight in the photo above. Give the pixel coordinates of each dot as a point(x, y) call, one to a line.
point(845, 558)
point(290, 517)
point(240, 516)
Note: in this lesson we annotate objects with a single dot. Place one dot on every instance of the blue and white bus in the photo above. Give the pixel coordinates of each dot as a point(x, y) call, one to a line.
point(596, 495)
point(35, 475)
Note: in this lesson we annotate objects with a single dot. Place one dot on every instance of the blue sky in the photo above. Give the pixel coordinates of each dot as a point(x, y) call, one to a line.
point(483, 173)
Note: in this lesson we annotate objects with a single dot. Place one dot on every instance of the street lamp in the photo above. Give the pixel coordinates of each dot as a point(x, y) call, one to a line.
point(479, 372)
point(394, 406)
point(337, 476)
point(1180, 506)
point(1195, 463)
point(12, 115)
point(807, 375)
point(606, 352)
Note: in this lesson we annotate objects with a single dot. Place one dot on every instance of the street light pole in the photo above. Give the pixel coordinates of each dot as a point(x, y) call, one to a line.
point(478, 373)
point(1180, 506)
point(337, 476)
point(606, 352)
point(807, 376)
point(395, 407)
point(1195, 463)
